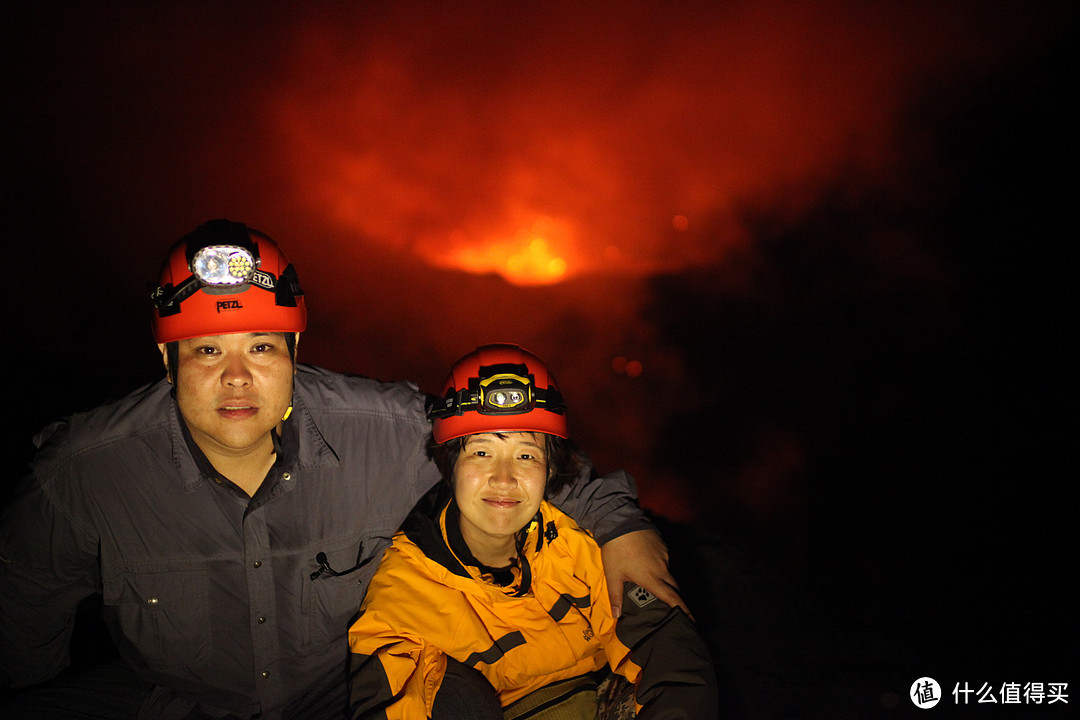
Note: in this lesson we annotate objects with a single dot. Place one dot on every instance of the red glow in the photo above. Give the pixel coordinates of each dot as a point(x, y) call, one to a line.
point(630, 368)
point(634, 136)
point(615, 141)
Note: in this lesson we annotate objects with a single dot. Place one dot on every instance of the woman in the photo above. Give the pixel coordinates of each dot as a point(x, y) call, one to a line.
point(499, 579)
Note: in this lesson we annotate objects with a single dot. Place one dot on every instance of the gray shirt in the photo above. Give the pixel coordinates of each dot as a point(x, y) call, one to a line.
point(237, 604)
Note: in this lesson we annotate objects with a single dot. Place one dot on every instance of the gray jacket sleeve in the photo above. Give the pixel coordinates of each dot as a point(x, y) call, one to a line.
point(606, 506)
point(47, 566)
point(678, 679)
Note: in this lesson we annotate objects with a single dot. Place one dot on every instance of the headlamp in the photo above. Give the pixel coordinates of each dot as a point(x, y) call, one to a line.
point(505, 393)
point(223, 268)
point(223, 265)
point(511, 392)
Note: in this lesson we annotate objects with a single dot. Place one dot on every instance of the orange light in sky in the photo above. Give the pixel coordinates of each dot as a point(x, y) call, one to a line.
point(531, 257)
point(529, 264)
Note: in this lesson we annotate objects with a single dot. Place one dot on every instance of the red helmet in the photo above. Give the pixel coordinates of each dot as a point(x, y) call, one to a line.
point(224, 278)
point(498, 388)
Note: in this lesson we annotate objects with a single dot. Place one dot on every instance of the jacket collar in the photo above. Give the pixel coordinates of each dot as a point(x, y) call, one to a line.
point(515, 580)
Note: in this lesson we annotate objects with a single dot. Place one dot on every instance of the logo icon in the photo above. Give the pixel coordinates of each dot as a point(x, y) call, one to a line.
point(640, 596)
point(925, 693)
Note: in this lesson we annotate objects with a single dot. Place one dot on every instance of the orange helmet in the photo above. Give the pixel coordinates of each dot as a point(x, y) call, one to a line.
point(224, 278)
point(498, 388)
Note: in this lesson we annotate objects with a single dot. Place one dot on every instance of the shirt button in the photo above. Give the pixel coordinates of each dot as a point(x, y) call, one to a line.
point(257, 564)
point(286, 476)
point(262, 620)
point(152, 601)
point(266, 673)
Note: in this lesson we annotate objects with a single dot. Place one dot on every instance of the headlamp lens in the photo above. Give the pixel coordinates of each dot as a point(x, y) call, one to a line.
point(223, 265)
point(504, 399)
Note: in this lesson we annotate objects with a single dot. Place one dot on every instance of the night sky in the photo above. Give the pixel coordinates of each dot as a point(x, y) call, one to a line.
point(799, 267)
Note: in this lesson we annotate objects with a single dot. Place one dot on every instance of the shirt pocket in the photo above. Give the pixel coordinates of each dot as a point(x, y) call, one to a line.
point(165, 615)
point(329, 601)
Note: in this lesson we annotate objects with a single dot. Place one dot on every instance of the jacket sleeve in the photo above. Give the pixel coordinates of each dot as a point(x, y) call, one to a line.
point(605, 506)
point(676, 680)
point(394, 672)
point(48, 565)
point(397, 682)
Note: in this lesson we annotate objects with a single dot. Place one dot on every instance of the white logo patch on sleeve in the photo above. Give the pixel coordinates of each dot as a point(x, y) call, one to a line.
point(640, 596)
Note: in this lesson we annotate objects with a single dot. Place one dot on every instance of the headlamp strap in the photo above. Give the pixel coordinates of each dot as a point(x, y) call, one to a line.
point(167, 299)
point(287, 287)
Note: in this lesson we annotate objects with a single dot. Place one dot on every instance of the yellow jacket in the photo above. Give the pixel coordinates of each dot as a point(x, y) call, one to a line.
point(426, 601)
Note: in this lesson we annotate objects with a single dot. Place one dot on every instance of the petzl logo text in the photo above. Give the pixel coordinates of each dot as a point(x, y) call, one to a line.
point(223, 305)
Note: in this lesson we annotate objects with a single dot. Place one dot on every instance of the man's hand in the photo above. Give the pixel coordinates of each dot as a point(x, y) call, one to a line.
point(639, 557)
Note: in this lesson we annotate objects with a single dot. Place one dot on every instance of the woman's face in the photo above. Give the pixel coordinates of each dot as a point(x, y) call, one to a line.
point(499, 481)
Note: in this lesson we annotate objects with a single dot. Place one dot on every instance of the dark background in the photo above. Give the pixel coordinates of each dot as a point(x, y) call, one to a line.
point(854, 406)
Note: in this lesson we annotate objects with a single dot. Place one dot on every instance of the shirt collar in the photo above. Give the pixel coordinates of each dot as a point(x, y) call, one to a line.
point(300, 444)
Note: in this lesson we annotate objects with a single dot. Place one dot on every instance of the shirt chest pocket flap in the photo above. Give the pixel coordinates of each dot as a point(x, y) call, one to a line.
point(165, 615)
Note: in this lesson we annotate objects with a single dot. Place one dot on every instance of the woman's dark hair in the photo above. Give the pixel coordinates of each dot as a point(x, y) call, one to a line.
point(564, 460)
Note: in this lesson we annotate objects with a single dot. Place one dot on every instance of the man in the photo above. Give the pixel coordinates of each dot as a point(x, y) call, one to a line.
point(233, 514)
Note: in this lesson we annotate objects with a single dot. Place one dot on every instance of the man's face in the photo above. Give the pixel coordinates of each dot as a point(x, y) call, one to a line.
point(499, 481)
point(233, 390)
